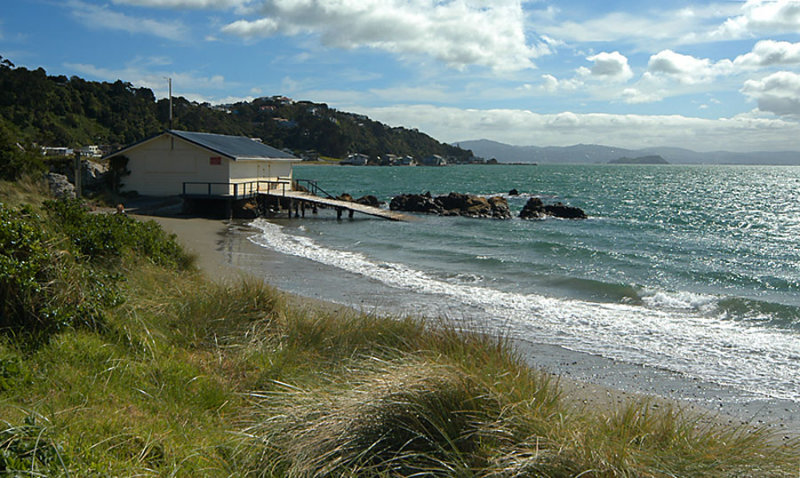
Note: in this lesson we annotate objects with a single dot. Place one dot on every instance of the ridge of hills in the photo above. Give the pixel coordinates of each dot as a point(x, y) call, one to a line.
point(73, 112)
point(593, 153)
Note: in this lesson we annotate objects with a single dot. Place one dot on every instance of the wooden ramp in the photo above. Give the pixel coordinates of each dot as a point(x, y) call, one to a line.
point(340, 205)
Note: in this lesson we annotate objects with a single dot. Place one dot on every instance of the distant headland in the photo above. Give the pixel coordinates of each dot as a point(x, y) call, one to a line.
point(651, 159)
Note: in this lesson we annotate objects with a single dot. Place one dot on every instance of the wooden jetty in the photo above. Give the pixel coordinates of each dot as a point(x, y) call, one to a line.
point(284, 189)
point(303, 197)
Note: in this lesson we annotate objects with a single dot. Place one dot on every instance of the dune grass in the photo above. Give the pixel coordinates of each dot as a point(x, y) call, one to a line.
point(188, 377)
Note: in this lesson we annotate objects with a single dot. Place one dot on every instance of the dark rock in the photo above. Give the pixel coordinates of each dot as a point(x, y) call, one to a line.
point(457, 204)
point(453, 204)
point(247, 209)
point(415, 203)
point(345, 197)
point(500, 208)
point(369, 200)
point(513, 192)
point(533, 209)
point(567, 212)
point(536, 209)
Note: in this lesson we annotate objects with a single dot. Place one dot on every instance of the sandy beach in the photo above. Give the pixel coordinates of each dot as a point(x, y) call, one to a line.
point(586, 380)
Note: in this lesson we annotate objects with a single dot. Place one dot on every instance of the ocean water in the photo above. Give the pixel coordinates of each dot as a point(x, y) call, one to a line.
point(692, 270)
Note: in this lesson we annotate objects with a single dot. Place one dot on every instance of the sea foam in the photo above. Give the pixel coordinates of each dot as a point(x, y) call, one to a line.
point(672, 331)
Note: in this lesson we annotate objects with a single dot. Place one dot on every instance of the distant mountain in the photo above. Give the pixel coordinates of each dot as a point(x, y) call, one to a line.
point(592, 153)
point(652, 159)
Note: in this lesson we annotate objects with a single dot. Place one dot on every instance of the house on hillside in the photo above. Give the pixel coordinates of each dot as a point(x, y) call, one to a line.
point(434, 160)
point(408, 161)
point(355, 159)
point(204, 165)
point(91, 151)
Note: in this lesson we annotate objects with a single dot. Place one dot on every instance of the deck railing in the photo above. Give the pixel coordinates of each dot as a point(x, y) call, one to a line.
point(311, 186)
point(240, 190)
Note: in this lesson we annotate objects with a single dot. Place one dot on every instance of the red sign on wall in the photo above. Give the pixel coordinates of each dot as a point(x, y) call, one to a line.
point(215, 160)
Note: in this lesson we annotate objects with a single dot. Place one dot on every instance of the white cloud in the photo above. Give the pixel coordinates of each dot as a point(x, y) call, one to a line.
point(686, 69)
point(778, 93)
point(459, 33)
point(522, 127)
point(551, 84)
point(98, 16)
point(762, 16)
point(194, 4)
point(644, 29)
point(262, 27)
point(636, 96)
point(768, 53)
point(608, 66)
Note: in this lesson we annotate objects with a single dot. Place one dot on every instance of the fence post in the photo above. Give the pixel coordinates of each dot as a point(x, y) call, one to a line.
point(78, 173)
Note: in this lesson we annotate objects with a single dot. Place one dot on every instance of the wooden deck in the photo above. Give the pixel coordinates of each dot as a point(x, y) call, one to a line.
point(340, 205)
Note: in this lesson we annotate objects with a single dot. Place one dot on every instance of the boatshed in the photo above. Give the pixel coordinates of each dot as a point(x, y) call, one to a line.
point(205, 165)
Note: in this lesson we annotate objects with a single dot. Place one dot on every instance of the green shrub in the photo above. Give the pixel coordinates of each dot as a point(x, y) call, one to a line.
point(42, 287)
point(109, 236)
point(16, 162)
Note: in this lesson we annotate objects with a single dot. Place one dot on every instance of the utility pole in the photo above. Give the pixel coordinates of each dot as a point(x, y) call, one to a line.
point(170, 102)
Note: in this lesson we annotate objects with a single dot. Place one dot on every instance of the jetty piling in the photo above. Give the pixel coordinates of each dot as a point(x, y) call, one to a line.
point(295, 201)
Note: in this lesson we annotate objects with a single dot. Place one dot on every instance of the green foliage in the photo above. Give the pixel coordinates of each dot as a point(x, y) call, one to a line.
point(42, 289)
point(15, 160)
point(117, 168)
point(61, 111)
point(103, 237)
point(26, 450)
point(66, 276)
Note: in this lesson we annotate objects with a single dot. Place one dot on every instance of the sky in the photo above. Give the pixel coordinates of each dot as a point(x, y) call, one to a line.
point(705, 76)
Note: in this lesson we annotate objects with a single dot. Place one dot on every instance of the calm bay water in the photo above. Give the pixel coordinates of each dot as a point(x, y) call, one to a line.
point(691, 269)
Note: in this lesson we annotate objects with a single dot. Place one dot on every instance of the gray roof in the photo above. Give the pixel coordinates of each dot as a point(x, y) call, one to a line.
point(234, 147)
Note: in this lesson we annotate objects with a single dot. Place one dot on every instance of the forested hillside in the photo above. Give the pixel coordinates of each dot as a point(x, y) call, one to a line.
point(73, 112)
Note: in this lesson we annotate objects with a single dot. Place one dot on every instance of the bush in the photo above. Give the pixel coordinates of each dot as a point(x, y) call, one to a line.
point(16, 162)
point(109, 236)
point(42, 288)
point(68, 275)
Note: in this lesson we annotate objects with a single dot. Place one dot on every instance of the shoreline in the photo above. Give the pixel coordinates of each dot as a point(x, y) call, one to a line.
point(586, 380)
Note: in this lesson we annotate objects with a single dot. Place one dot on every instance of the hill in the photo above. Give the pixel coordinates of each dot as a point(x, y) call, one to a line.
point(73, 112)
point(652, 159)
point(592, 153)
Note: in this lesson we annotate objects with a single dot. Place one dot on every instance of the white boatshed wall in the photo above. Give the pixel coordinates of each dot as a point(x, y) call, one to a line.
point(160, 166)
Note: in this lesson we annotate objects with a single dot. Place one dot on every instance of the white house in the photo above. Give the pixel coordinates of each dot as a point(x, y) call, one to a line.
point(204, 164)
point(434, 160)
point(91, 151)
point(356, 159)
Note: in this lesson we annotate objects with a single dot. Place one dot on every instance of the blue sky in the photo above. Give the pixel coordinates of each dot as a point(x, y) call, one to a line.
point(706, 76)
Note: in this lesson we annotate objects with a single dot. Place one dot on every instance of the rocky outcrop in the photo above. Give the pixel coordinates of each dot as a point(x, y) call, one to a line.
point(567, 212)
point(369, 200)
point(93, 174)
point(536, 209)
point(453, 204)
point(500, 208)
point(415, 203)
point(60, 186)
point(533, 209)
